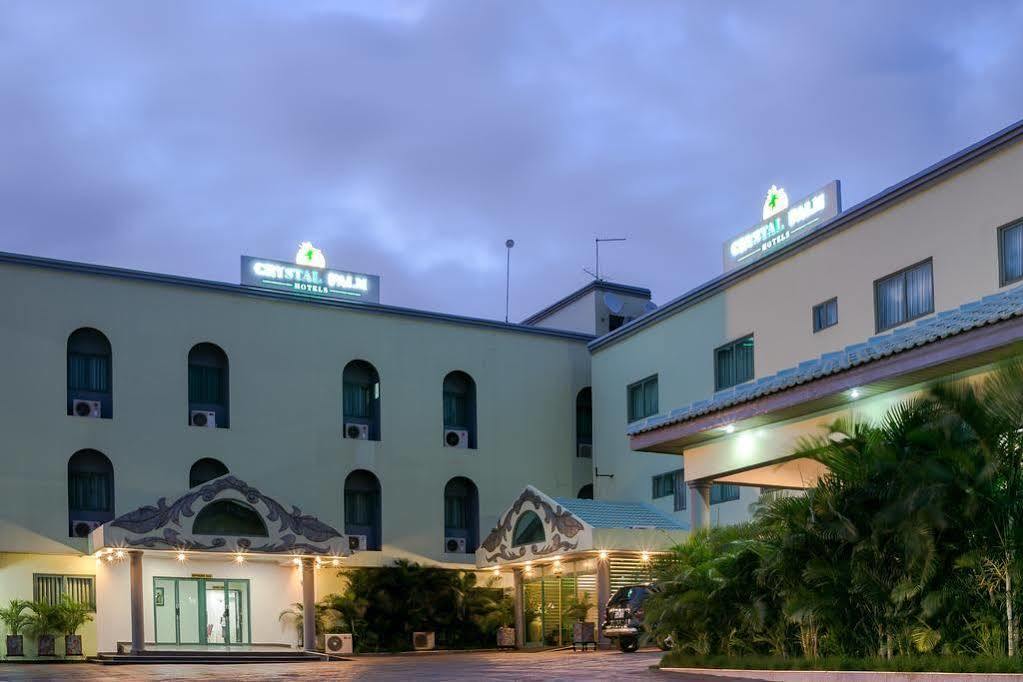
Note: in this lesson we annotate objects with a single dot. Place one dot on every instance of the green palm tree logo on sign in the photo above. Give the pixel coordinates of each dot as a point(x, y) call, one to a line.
point(310, 256)
point(777, 201)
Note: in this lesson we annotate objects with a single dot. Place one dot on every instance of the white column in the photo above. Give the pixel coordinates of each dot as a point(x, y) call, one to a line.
point(138, 622)
point(308, 604)
point(520, 612)
point(603, 594)
point(699, 504)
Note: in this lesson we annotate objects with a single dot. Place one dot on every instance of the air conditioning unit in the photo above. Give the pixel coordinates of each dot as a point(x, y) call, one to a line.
point(454, 545)
point(86, 408)
point(423, 641)
point(456, 438)
point(203, 418)
point(81, 528)
point(584, 450)
point(338, 644)
point(357, 431)
point(357, 543)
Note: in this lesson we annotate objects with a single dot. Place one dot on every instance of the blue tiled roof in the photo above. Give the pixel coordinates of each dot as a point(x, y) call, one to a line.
point(601, 514)
point(988, 310)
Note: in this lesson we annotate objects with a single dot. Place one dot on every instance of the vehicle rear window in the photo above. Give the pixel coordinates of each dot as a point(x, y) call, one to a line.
point(629, 595)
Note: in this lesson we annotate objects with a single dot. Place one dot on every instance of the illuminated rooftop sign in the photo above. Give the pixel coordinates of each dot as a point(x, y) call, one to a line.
point(307, 277)
point(783, 222)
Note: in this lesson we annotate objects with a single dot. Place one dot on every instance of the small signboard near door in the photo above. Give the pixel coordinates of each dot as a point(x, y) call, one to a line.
point(201, 611)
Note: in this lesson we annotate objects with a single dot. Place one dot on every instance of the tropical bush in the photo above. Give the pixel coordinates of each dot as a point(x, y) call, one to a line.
point(14, 616)
point(909, 546)
point(383, 606)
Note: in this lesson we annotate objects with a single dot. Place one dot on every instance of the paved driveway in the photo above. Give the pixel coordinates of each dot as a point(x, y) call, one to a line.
point(557, 665)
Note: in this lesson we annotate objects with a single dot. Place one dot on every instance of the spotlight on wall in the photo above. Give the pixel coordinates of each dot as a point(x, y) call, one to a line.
point(730, 428)
point(181, 556)
point(119, 554)
point(603, 555)
point(239, 559)
point(645, 556)
point(297, 561)
point(854, 393)
point(335, 562)
point(497, 571)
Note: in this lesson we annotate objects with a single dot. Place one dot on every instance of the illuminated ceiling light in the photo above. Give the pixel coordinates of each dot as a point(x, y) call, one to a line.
point(497, 571)
point(854, 393)
point(335, 562)
point(645, 556)
point(730, 428)
point(181, 556)
point(110, 557)
point(297, 561)
point(603, 555)
point(239, 559)
point(119, 554)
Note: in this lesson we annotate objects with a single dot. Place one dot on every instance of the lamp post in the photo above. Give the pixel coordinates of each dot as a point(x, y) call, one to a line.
point(507, 276)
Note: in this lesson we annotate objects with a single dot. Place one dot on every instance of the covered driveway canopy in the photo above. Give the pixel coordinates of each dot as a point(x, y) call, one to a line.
point(538, 527)
point(224, 515)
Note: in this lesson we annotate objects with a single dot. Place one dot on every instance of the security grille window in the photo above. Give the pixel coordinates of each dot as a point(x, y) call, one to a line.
point(733, 363)
point(664, 485)
point(904, 296)
point(825, 315)
point(205, 384)
point(1011, 253)
point(90, 491)
point(643, 398)
point(723, 492)
point(88, 373)
point(50, 588)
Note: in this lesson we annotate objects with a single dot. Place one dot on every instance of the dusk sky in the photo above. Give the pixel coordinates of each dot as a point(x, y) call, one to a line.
point(411, 139)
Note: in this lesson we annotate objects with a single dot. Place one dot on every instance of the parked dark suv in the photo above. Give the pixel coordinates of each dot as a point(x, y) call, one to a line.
point(624, 619)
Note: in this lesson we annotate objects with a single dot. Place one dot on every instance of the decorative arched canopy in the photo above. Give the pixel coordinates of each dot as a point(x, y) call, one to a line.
point(223, 515)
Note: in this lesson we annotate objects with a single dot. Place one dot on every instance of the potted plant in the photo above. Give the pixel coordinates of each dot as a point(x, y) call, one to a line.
point(42, 623)
point(72, 616)
point(583, 633)
point(16, 620)
point(294, 617)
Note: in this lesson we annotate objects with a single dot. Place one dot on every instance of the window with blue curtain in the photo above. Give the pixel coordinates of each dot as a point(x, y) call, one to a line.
point(88, 372)
point(1011, 251)
point(360, 507)
point(206, 384)
point(723, 492)
point(904, 296)
point(642, 398)
point(456, 409)
point(456, 512)
point(733, 363)
point(664, 485)
point(680, 490)
point(90, 491)
point(358, 400)
point(825, 315)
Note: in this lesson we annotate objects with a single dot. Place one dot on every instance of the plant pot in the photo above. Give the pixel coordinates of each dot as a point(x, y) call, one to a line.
point(72, 645)
point(45, 646)
point(15, 645)
point(584, 633)
point(505, 638)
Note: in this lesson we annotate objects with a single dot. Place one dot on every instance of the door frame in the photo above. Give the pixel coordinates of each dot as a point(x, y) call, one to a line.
point(202, 616)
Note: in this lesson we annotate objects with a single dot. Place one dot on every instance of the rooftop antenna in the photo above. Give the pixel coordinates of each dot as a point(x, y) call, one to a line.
point(507, 276)
point(596, 247)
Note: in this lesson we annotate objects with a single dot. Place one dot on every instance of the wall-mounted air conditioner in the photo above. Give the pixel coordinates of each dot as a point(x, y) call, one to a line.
point(338, 644)
point(203, 418)
point(423, 641)
point(456, 438)
point(357, 543)
point(454, 545)
point(80, 528)
point(86, 408)
point(584, 450)
point(357, 431)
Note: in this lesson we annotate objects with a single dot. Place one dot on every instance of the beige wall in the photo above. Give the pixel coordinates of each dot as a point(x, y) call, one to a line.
point(954, 222)
point(286, 360)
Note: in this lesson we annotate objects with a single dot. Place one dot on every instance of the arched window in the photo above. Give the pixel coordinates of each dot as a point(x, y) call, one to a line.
point(208, 386)
point(205, 469)
point(528, 530)
point(362, 507)
point(89, 374)
point(461, 516)
point(586, 492)
point(228, 517)
point(459, 410)
point(90, 491)
point(584, 423)
point(360, 400)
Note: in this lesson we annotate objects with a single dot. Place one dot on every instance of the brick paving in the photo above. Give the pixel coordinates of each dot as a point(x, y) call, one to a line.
point(552, 665)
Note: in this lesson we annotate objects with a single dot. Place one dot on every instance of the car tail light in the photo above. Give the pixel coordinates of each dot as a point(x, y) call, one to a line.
point(638, 613)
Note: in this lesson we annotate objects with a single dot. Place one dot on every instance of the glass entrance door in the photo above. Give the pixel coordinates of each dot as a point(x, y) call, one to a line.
point(201, 611)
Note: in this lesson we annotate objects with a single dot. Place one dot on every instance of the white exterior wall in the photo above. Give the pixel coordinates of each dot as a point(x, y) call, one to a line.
point(954, 222)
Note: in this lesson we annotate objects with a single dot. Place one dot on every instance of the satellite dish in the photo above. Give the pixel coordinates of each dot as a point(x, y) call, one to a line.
point(613, 303)
point(649, 307)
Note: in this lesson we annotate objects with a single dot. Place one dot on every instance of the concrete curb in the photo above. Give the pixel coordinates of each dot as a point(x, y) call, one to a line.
point(846, 675)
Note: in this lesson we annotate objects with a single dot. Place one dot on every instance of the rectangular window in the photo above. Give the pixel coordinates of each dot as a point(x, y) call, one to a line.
point(359, 506)
point(733, 363)
point(456, 410)
point(357, 400)
point(825, 315)
point(642, 397)
point(664, 485)
point(723, 492)
point(904, 296)
point(90, 491)
point(51, 588)
point(680, 490)
point(205, 384)
point(88, 373)
point(1010, 252)
point(456, 512)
